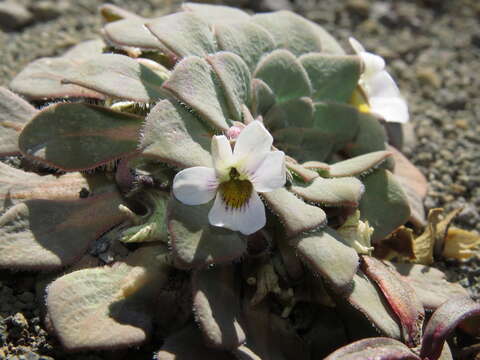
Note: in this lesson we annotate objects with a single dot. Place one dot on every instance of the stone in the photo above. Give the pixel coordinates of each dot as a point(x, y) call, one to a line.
point(14, 16)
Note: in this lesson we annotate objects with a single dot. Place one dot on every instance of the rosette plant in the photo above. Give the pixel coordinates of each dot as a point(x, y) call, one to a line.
point(216, 181)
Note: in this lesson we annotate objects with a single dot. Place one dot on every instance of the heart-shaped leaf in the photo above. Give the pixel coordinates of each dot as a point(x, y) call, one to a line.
point(378, 348)
point(196, 243)
point(384, 204)
point(333, 77)
point(295, 215)
point(76, 136)
point(334, 192)
point(109, 307)
point(234, 76)
point(246, 39)
point(184, 34)
point(212, 290)
point(42, 79)
point(194, 82)
point(401, 297)
point(358, 165)
point(321, 252)
point(14, 114)
point(117, 76)
point(173, 135)
point(296, 113)
point(284, 74)
point(442, 323)
point(216, 13)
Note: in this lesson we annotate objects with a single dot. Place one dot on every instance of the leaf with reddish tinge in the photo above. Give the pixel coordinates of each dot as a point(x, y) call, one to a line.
point(295, 215)
point(368, 299)
point(193, 81)
point(108, 307)
point(14, 114)
point(401, 297)
point(75, 136)
point(216, 304)
point(117, 76)
point(173, 135)
point(321, 251)
point(42, 79)
point(50, 234)
point(430, 284)
point(374, 348)
point(358, 165)
point(334, 192)
point(442, 323)
point(196, 243)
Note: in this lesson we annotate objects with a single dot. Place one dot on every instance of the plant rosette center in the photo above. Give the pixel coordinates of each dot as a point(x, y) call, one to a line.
point(237, 177)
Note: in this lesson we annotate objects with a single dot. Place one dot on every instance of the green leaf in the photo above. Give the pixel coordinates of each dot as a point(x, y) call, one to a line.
point(216, 13)
point(263, 97)
point(132, 33)
point(284, 74)
point(175, 136)
point(85, 50)
point(295, 215)
point(366, 298)
point(333, 77)
point(384, 204)
point(304, 144)
point(296, 34)
point(14, 114)
point(196, 243)
point(321, 252)
point(370, 136)
point(44, 225)
point(246, 39)
point(184, 34)
point(194, 82)
point(113, 13)
point(296, 113)
point(76, 136)
point(117, 76)
point(358, 165)
point(235, 79)
point(212, 289)
point(334, 192)
point(108, 307)
point(42, 79)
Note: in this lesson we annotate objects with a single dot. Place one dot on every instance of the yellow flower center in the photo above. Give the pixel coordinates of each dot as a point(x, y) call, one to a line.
point(235, 192)
point(359, 100)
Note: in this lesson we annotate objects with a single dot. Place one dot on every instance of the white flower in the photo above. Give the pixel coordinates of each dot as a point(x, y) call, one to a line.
point(383, 94)
point(236, 178)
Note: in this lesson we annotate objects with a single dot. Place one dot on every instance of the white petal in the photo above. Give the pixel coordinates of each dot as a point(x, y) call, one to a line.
point(221, 155)
point(357, 47)
point(253, 140)
point(247, 219)
point(382, 85)
point(270, 174)
point(373, 64)
point(392, 109)
point(195, 185)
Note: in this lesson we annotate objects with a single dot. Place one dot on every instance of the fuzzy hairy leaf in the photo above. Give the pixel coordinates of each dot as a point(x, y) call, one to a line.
point(108, 307)
point(14, 114)
point(196, 243)
point(384, 204)
point(113, 13)
point(193, 82)
point(42, 79)
point(378, 348)
point(304, 144)
point(48, 231)
point(295, 215)
point(216, 304)
point(132, 33)
point(184, 34)
point(216, 13)
point(442, 323)
point(284, 74)
point(333, 77)
point(117, 76)
point(401, 297)
point(358, 165)
point(293, 113)
point(246, 39)
point(263, 97)
point(370, 136)
point(76, 136)
point(173, 135)
point(321, 252)
point(85, 50)
point(296, 34)
point(367, 298)
point(334, 192)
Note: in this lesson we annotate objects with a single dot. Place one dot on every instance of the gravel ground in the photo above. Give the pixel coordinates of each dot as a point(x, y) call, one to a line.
point(432, 47)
